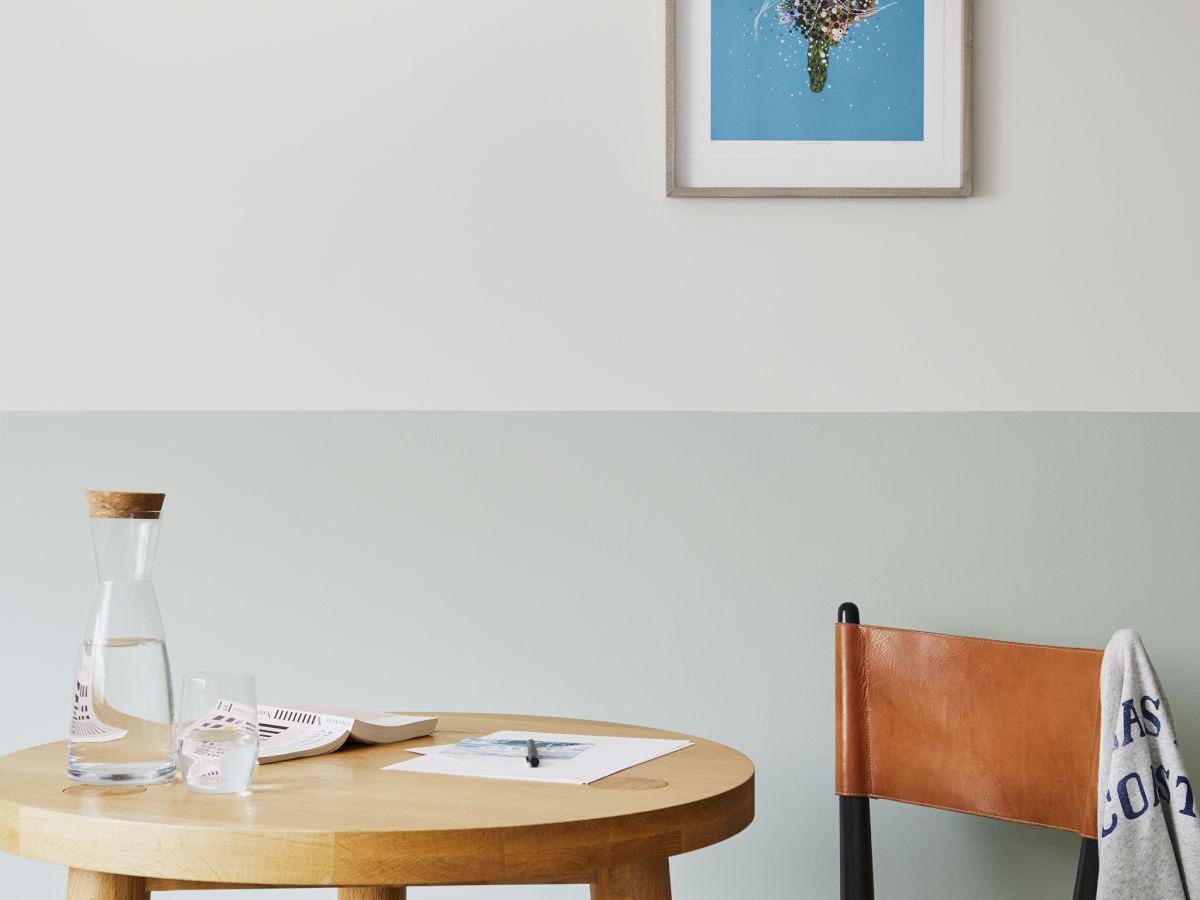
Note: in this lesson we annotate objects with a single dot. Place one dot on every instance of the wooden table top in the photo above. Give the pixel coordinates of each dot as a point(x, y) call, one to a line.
point(339, 820)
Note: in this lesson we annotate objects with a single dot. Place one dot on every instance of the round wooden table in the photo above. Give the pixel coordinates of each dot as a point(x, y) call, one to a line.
point(339, 821)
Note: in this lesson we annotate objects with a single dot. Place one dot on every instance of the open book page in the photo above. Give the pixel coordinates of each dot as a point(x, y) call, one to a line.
point(379, 727)
point(285, 733)
point(564, 758)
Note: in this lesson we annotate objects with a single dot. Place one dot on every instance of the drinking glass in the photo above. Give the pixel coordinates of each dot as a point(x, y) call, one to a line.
point(218, 731)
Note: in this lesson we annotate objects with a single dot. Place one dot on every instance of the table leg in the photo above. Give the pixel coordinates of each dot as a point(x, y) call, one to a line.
point(85, 885)
point(640, 881)
point(371, 893)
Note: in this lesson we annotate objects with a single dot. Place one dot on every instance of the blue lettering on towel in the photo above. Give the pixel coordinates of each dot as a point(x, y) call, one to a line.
point(1149, 717)
point(1189, 808)
point(1131, 718)
point(1141, 718)
point(1123, 795)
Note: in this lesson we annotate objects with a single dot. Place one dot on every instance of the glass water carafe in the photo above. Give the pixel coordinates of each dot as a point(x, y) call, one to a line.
point(121, 725)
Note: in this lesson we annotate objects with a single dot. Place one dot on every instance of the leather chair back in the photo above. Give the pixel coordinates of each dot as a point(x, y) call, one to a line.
point(998, 729)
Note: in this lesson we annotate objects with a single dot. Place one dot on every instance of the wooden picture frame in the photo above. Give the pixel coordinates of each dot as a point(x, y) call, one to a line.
point(677, 185)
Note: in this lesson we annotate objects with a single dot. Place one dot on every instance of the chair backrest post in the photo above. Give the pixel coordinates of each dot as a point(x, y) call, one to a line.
point(1088, 873)
point(858, 876)
point(854, 814)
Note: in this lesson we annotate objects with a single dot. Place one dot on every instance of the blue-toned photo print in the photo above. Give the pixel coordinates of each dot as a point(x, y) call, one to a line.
point(818, 70)
point(513, 748)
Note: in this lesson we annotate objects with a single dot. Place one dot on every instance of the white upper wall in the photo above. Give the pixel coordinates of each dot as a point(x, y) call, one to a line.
point(285, 204)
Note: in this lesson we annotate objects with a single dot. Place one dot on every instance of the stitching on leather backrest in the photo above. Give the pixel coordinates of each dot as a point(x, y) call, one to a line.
point(969, 812)
point(1095, 823)
point(863, 668)
point(959, 637)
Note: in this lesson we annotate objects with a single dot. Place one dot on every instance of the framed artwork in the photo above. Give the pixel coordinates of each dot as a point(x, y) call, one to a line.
point(818, 98)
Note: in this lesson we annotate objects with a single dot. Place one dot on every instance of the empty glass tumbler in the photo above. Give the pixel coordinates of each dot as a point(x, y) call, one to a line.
point(121, 724)
point(218, 732)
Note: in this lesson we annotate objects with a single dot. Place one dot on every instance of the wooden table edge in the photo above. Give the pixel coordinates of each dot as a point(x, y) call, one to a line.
point(647, 836)
point(581, 851)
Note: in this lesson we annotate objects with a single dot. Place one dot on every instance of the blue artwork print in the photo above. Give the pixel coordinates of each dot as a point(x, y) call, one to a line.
point(818, 70)
point(513, 748)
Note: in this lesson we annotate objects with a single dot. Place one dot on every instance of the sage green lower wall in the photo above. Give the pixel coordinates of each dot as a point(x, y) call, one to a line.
point(668, 569)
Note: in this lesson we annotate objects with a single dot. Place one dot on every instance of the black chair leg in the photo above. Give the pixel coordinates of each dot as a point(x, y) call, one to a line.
point(1088, 872)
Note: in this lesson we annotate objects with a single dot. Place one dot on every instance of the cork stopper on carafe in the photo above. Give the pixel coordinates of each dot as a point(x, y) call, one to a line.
point(124, 505)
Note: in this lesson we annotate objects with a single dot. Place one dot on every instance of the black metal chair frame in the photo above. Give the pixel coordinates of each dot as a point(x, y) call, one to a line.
point(858, 878)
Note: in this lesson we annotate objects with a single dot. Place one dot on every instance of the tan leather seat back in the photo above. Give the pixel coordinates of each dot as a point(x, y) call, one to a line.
point(993, 728)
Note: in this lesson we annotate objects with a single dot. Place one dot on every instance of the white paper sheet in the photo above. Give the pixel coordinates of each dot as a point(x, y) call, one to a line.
point(501, 755)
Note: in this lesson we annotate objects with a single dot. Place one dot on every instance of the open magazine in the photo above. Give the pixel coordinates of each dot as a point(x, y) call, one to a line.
point(297, 731)
point(217, 750)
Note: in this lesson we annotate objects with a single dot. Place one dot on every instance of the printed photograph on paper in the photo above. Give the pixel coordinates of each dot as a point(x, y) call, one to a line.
point(818, 70)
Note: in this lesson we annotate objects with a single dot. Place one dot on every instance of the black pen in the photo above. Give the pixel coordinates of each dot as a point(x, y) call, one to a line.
point(531, 756)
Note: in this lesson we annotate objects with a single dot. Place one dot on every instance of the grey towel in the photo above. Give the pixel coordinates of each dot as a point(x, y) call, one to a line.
point(1149, 833)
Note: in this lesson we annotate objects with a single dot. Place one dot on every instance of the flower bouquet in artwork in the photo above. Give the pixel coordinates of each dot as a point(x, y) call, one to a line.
point(824, 23)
